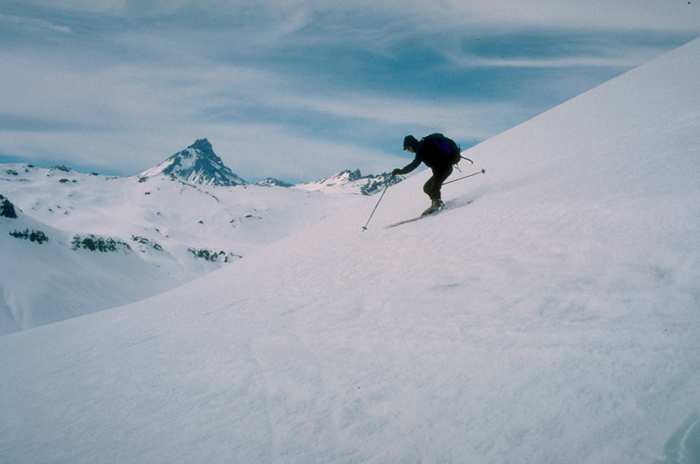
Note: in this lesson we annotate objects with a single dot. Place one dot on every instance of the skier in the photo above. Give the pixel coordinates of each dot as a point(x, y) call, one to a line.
point(431, 151)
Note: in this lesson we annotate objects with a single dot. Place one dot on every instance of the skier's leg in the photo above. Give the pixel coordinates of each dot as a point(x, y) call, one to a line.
point(434, 184)
point(429, 186)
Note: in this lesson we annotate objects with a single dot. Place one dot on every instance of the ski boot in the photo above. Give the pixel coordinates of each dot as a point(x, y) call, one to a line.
point(434, 208)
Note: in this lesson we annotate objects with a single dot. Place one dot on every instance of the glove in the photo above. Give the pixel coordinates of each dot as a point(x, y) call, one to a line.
point(396, 172)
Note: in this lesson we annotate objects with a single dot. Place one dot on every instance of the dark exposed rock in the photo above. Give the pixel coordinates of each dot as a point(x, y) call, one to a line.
point(31, 235)
point(7, 209)
point(102, 244)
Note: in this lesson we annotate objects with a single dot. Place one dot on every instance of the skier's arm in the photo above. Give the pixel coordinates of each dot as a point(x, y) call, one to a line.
point(410, 167)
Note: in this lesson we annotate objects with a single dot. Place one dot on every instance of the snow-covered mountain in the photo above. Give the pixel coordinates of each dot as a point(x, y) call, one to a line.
point(352, 182)
point(176, 232)
point(554, 319)
point(198, 164)
point(49, 274)
point(270, 182)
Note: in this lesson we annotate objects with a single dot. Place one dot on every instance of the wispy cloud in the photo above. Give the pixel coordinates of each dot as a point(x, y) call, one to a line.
point(31, 24)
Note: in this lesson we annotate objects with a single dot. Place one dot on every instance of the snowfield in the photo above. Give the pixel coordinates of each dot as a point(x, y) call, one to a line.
point(556, 319)
point(172, 232)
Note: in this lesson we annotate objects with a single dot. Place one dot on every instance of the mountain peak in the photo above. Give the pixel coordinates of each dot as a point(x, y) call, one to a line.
point(203, 145)
point(198, 164)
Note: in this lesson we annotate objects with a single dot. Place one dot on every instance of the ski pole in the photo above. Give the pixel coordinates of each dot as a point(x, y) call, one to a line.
point(364, 228)
point(483, 171)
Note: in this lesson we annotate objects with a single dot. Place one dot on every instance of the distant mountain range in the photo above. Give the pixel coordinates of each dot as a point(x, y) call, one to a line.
point(352, 182)
point(198, 164)
point(270, 182)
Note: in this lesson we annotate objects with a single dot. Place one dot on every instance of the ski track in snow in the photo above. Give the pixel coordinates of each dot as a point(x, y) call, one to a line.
point(554, 320)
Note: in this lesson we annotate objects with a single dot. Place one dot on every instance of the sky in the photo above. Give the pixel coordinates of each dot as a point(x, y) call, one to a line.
point(301, 89)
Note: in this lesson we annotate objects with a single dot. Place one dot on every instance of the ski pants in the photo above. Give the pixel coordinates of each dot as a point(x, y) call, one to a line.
point(434, 184)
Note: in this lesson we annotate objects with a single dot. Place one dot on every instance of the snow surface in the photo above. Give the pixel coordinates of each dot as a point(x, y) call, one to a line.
point(184, 159)
point(49, 281)
point(162, 219)
point(556, 319)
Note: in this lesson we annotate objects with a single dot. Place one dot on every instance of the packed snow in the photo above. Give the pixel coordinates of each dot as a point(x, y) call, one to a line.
point(555, 319)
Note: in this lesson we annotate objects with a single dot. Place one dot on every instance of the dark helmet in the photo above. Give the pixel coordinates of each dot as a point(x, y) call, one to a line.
point(410, 141)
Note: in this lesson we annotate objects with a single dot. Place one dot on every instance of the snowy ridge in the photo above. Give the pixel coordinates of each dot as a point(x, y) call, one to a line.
point(177, 232)
point(351, 182)
point(555, 319)
point(270, 182)
point(198, 164)
point(49, 275)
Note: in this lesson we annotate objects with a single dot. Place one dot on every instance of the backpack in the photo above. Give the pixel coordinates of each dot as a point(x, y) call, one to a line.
point(448, 146)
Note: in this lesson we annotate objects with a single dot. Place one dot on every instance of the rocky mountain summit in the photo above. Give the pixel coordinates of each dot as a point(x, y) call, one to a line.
point(197, 164)
point(270, 182)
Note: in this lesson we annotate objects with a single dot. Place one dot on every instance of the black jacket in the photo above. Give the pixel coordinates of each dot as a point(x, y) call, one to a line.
point(430, 154)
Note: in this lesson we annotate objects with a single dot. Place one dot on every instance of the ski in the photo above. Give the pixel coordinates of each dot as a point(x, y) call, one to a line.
point(404, 222)
point(446, 208)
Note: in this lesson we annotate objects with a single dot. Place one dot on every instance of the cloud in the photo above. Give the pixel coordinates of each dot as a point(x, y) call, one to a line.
point(673, 15)
point(18, 123)
point(83, 6)
point(31, 24)
point(562, 49)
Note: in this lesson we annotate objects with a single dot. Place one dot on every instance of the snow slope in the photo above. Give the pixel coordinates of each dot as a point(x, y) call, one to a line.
point(50, 275)
point(556, 319)
point(177, 231)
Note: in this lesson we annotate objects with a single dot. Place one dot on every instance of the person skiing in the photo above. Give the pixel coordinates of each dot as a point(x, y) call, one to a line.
point(438, 153)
